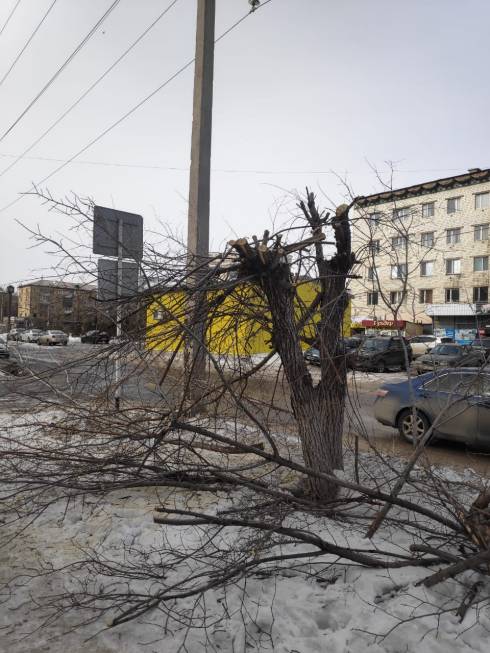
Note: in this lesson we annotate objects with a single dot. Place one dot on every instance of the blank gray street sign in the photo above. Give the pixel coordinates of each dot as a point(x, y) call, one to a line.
point(107, 286)
point(106, 233)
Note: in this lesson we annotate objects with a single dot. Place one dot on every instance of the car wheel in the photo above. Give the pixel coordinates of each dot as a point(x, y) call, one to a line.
point(381, 367)
point(405, 425)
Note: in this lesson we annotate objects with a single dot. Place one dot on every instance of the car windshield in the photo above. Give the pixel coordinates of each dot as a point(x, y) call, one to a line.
point(375, 344)
point(351, 342)
point(446, 350)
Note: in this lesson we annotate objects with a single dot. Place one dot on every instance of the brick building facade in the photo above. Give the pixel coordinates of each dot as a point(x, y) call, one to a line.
point(58, 305)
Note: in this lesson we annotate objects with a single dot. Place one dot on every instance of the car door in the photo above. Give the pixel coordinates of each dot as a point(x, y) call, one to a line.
point(393, 357)
point(451, 401)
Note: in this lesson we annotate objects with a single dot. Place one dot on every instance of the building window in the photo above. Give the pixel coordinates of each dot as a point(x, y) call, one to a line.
point(399, 271)
point(453, 266)
point(453, 236)
point(158, 315)
point(397, 297)
point(427, 268)
point(399, 242)
point(374, 246)
point(454, 204)
point(481, 232)
point(370, 274)
point(428, 209)
point(480, 294)
point(480, 263)
point(375, 218)
point(44, 298)
point(425, 296)
point(372, 298)
point(452, 295)
point(401, 214)
point(482, 200)
point(427, 239)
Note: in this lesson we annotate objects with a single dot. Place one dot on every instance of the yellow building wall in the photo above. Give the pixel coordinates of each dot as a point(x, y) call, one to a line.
point(239, 325)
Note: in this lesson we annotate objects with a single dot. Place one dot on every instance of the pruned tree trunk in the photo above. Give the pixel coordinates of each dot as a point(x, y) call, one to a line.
point(319, 410)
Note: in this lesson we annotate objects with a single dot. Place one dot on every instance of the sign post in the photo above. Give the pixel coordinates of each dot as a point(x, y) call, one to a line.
point(120, 235)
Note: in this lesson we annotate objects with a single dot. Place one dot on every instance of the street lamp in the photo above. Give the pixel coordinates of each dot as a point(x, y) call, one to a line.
point(10, 290)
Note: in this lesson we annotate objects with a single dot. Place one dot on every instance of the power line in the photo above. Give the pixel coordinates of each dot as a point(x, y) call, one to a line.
point(61, 68)
point(9, 17)
point(136, 106)
point(27, 42)
point(149, 166)
point(89, 89)
point(118, 164)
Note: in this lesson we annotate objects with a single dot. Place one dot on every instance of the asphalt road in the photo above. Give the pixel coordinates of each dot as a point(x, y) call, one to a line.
point(78, 371)
point(85, 372)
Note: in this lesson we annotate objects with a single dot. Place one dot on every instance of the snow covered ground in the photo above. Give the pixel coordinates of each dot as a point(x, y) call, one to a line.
point(326, 605)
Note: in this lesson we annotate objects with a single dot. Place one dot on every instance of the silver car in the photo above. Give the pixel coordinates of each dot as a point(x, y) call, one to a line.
point(53, 338)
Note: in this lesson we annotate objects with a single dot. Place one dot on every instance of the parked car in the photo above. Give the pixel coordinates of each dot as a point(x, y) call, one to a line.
point(345, 349)
point(382, 353)
point(53, 338)
point(15, 334)
point(482, 344)
point(32, 335)
point(4, 350)
point(423, 344)
point(312, 355)
point(459, 399)
point(449, 355)
point(95, 337)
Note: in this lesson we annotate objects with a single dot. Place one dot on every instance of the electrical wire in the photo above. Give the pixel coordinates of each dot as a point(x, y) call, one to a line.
point(14, 63)
point(136, 106)
point(9, 17)
point(89, 89)
point(118, 164)
point(67, 61)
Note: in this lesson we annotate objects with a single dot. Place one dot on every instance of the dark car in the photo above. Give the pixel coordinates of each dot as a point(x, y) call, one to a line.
point(345, 349)
point(455, 401)
point(483, 344)
point(95, 338)
point(382, 353)
point(449, 355)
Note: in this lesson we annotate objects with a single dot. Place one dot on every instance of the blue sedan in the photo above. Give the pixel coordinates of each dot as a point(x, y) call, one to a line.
point(456, 402)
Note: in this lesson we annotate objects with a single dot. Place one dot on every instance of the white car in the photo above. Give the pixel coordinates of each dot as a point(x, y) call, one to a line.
point(423, 344)
point(52, 338)
point(31, 336)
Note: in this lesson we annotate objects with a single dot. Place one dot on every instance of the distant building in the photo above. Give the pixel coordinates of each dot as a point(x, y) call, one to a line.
point(61, 305)
point(4, 303)
point(424, 254)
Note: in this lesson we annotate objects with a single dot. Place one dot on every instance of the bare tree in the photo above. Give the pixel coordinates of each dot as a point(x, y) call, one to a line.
point(224, 481)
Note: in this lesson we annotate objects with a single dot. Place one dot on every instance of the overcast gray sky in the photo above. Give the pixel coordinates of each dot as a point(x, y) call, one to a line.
point(303, 88)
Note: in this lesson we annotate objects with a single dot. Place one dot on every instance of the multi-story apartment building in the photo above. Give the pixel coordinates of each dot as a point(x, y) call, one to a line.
point(58, 305)
point(423, 254)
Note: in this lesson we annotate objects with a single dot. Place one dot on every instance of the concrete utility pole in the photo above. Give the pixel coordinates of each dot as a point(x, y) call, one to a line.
point(200, 176)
